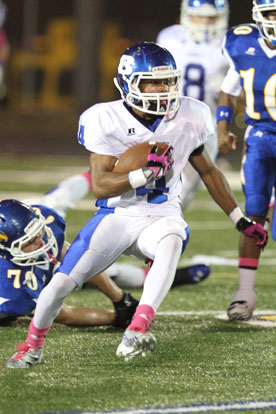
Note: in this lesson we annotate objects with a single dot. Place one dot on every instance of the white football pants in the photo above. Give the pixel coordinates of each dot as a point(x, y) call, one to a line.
point(101, 242)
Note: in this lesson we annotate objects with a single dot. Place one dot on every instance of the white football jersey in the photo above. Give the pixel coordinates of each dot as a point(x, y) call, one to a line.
point(110, 129)
point(203, 64)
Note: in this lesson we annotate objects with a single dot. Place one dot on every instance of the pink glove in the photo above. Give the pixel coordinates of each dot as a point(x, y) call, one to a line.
point(159, 164)
point(254, 230)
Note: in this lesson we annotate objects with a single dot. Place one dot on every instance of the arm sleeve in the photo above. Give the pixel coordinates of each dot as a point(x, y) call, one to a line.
point(231, 83)
point(206, 126)
point(97, 132)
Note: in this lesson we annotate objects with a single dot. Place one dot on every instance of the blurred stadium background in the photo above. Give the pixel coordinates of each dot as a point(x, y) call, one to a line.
point(63, 57)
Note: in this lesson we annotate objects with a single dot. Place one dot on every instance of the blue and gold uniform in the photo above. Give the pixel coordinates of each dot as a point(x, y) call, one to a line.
point(255, 62)
point(20, 286)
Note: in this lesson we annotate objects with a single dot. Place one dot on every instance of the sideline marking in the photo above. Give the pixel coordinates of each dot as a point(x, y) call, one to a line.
point(265, 318)
point(194, 408)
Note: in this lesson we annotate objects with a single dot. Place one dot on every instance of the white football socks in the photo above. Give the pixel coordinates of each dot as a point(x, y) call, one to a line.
point(127, 276)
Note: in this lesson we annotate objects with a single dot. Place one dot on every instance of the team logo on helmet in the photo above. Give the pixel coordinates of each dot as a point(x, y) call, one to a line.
point(3, 237)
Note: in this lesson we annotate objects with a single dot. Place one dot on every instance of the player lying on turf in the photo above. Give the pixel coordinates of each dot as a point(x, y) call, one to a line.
point(23, 276)
point(139, 212)
point(32, 241)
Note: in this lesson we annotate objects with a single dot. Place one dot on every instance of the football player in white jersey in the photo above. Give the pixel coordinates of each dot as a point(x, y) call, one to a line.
point(139, 213)
point(196, 45)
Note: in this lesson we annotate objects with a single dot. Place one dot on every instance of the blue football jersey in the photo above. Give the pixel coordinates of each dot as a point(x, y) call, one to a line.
point(255, 62)
point(20, 286)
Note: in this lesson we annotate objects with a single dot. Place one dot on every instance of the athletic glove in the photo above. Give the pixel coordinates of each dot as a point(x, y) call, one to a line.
point(159, 164)
point(254, 230)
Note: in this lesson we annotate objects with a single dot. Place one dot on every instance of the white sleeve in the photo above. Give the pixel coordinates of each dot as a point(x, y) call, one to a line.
point(168, 38)
point(161, 37)
point(89, 135)
point(93, 126)
point(231, 83)
point(207, 126)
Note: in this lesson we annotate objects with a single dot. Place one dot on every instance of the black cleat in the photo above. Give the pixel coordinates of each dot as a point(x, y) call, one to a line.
point(124, 311)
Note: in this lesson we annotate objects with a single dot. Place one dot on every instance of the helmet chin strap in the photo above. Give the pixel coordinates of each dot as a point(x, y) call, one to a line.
point(53, 258)
point(50, 255)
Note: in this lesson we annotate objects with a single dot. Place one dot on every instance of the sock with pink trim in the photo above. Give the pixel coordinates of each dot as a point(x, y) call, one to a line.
point(247, 276)
point(87, 176)
point(142, 318)
point(36, 336)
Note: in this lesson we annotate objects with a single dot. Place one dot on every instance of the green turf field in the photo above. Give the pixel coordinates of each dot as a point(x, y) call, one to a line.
point(199, 358)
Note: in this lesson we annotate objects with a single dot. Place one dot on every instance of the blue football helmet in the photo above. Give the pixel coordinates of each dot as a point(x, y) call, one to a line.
point(149, 61)
point(266, 27)
point(200, 32)
point(20, 224)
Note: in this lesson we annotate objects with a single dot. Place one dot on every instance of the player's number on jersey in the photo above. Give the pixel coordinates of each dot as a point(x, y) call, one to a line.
point(81, 135)
point(269, 94)
point(194, 79)
point(30, 279)
point(155, 195)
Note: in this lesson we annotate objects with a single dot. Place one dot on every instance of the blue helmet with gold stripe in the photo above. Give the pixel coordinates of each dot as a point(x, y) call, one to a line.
point(20, 225)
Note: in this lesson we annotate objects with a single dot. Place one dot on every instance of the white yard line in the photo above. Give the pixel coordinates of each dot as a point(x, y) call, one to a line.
point(265, 318)
point(194, 408)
